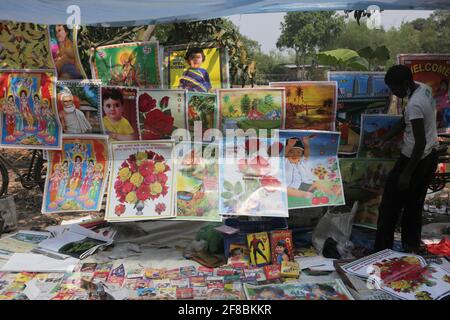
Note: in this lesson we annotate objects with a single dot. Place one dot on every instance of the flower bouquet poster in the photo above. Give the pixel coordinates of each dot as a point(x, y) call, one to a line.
point(197, 181)
point(313, 178)
point(77, 175)
point(251, 108)
point(434, 71)
point(142, 181)
point(133, 64)
point(161, 112)
point(79, 104)
point(252, 178)
point(310, 105)
point(29, 117)
point(373, 127)
point(119, 113)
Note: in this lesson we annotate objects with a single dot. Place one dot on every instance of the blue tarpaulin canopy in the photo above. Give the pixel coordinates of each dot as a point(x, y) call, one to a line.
point(136, 12)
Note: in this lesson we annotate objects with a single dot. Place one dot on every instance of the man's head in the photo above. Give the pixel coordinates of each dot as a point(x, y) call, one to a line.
point(195, 57)
point(113, 104)
point(67, 101)
point(400, 80)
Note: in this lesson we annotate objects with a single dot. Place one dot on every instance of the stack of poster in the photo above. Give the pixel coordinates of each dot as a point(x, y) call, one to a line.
point(311, 166)
point(358, 93)
point(21, 242)
point(434, 71)
point(405, 276)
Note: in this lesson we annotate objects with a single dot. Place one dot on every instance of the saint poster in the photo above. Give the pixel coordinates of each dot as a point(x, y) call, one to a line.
point(161, 112)
point(29, 116)
point(141, 181)
point(65, 52)
point(310, 105)
point(133, 64)
point(313, 178)
point(76, 176)
point(434, 71)
point(79, 104)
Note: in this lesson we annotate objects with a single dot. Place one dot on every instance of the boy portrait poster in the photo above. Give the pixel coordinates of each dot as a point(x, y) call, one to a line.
point(76, 176)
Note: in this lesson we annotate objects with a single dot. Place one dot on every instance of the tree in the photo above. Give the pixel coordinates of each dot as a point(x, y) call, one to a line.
point(245, 103)
point(308, 32)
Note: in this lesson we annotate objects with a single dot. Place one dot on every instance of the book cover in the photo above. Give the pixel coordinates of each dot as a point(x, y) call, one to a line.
point(281, 246)
point(259, 246)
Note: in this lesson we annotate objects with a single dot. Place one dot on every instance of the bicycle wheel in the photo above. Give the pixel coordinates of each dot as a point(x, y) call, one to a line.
point(40, 171)
point(4, 179)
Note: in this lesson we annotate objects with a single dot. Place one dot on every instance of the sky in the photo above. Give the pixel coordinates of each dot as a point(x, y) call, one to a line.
point(265, 27)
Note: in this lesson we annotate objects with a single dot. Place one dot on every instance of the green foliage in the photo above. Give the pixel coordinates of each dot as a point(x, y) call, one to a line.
point(343, 59)
point(245, 103)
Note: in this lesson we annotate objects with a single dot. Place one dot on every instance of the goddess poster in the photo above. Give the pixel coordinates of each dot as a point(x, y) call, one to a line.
point(29, 118)
point(252, 179)
point(25, 46)
point(310, 105)
point(142, 181)
point(79, 104)
point(434, 71)
point(65, 52)
point(197, 181)
point(251, 108)
point(77, 175)
point(313, 178)
point(161, 112)
point(133, 64)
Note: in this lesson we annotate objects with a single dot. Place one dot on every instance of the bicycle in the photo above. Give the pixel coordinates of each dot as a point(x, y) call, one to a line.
point(440, 179)
point(34, 176)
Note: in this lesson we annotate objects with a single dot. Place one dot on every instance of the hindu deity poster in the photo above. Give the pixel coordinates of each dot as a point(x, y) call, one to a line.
point(161, 112)
point(310, 105)
point(29, 119)
point(65, 52)
point(79, 104)
point(76, 176)
point(251, 108)
point(197, 68)
point(133, 64)
point(141, 181)
point(364, 181)
point(434, 71)
point(373, 127)
point(119, 113)
point(313, 178)
point(202, 108)
point(252, 179)
point(197, 181)
point(24, 46)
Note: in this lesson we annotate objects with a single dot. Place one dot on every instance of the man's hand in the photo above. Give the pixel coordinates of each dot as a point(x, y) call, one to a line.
point(404, 181)
point(291, 142)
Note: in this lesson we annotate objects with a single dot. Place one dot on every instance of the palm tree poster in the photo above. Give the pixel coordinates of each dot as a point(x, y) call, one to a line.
point(77, 174)
point(29, 117)
point(364, 181)
point(141, 181)
point(250, 108)
point(135, 64)
point(310, 105)
point(434, 71)
point(25, 46)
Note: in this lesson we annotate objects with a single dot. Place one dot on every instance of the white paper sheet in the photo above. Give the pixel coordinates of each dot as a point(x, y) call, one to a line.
point(30, 262)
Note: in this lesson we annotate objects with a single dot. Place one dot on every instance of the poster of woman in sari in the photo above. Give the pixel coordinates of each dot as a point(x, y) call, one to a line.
point(77, 175)
point(29, 118)
point(128, 64)
point(65, 52)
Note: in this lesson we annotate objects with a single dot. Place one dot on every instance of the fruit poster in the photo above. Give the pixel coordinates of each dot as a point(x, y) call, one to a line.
point(135, 64)
point(197, 181)
point(364, 181)
point(29, 117)
point(313, 178)
point(434, 71)
point(281, 246)
point(310, 105)
point(252, 179)
point(25, 46)
point(79, 104)
point(141, 182)
point(251, 108)
point(63, 44)
point(373, 127)
point(76, 177)
point(161, 112)
point(259, 248)
point(119, 113)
